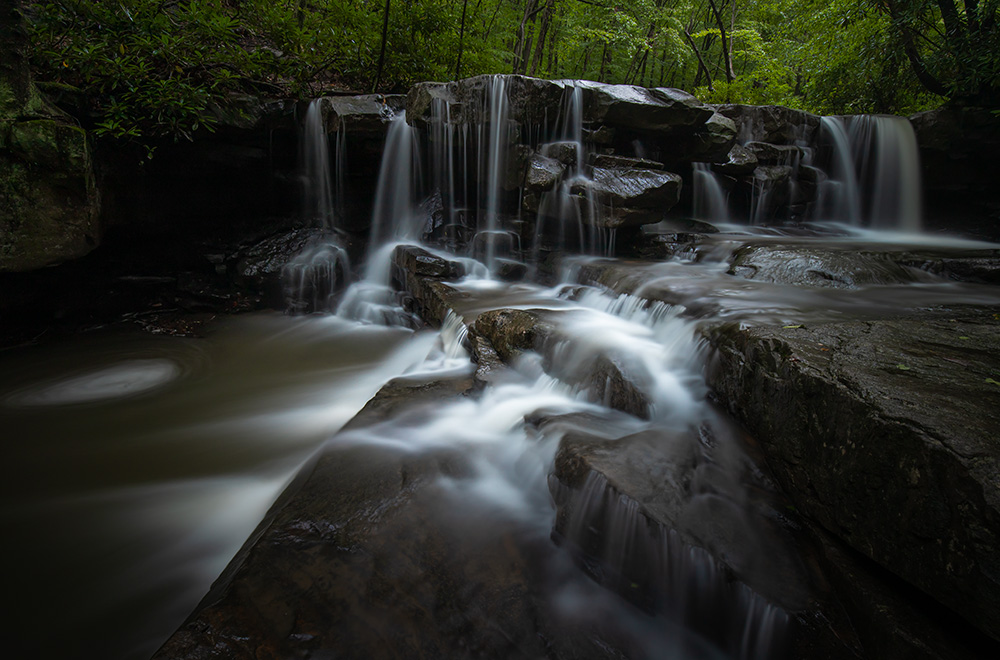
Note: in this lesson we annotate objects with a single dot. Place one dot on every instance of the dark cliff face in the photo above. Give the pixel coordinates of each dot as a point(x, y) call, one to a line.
point(958, 154)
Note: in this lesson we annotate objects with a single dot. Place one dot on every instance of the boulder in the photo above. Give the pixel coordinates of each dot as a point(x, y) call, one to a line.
point(420, 275)
point(822, 267)
point(663, 111)
point(739, 161)
point(635, 188)
point(543, 173)
point(297, 270)
point(771, 123)
point(774, 154)
point(368, 113)
point(711, 142)
point(529, 100)
point(513, 331)
point(884, 432)
point(565, 152)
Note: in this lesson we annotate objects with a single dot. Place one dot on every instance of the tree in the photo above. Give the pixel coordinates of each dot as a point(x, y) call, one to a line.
point(953, 53)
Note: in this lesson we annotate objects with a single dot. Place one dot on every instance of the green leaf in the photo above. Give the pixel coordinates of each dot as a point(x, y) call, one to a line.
point(902, 367)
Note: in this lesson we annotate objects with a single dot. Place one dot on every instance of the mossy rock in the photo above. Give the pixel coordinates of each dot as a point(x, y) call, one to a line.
point(48, 197)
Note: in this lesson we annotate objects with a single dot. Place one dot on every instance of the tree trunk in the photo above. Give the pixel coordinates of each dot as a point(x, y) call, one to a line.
point(702, 67)
point(461, 42)
point(726, 46)
point(381, 53)
point(543, 33)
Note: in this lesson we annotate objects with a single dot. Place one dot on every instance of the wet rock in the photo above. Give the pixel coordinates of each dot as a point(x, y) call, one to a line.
point(50, 207)
point(509, 270)
point(895, 624)
point(611, 162)
point(712, 141)
point(739, 161)
point(824, 267)
point(635, 188)
point(609, 382)
point(719, 135)
point(981, 266)
point(267, 257)
point(771, 123)
point(513, 331)
point(660, 110)
point(659, 471)
point(646, 508)
point(601, 136)
point(422, 263)
point(774, 154)
point(368, 113)
point(884, 432)
point(543, 173)
point(529, 99)
point(365, 553)
point(488, 362)
point(565, 152)
point(498, 243)
point(419, 274)
point(297, 270)
point(772, 174)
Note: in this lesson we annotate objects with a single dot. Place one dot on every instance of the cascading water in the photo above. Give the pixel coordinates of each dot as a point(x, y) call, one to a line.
point(683, 560)
point(498, 146)
point(318, 194)
point(890, 170)
point(875, 173)
point(394, 221)
point(313, 278)
point(710, 200)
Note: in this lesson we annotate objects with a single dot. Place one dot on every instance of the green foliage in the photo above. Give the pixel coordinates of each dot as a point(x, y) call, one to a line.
point(155, 68)
point(150, 68)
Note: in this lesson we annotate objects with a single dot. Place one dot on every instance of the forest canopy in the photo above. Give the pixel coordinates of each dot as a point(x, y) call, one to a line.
point(157, 67)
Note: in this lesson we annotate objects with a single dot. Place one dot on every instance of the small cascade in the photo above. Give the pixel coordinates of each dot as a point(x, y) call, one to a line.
point(340, 172)
point(874, 175)
point(318, 197)
point(569, 215)
point(399, 179)
point(838, 195)
point(444, 137)
point(711, 204)
point(654, 567)
point(890, 166)
point(499, 133)
point(395, 221)
point(314, 277)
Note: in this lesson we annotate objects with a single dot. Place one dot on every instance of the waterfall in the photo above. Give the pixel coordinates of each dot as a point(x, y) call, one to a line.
point(318, 199)
point(710, 200)
point(393, 216)
point(498, 146)
point(895, 172)
point(875, 173)
point(839, 198)
point(394, 221)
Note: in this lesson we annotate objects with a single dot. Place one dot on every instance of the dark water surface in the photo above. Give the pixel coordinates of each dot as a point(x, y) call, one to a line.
point(135, 465)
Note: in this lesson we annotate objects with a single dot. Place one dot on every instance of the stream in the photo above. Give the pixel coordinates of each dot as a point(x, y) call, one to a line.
point(135, 466)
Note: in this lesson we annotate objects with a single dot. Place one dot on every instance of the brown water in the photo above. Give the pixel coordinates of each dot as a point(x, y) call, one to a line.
point(134, 465)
